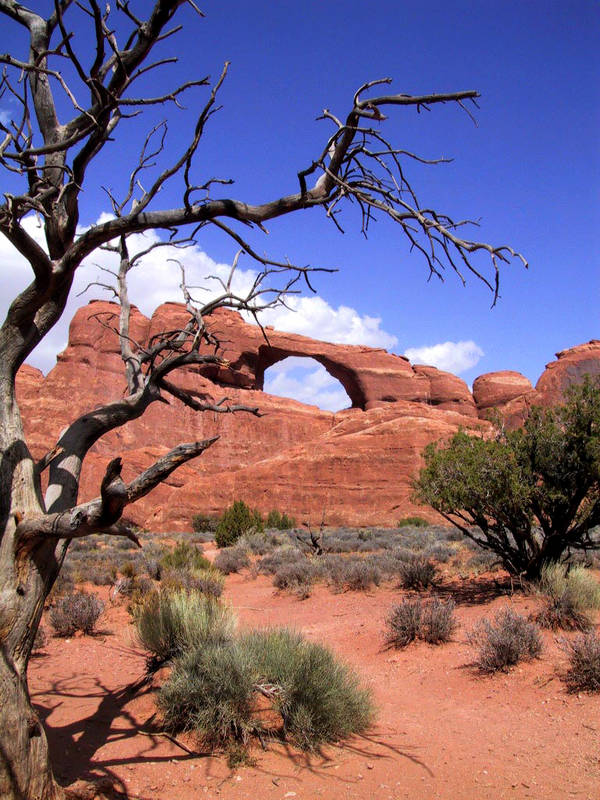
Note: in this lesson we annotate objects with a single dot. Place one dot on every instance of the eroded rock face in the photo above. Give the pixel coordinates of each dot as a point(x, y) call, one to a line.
point(355, 466)
point(569, 368)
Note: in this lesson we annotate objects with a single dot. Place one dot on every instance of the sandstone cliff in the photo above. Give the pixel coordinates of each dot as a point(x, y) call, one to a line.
point(355, 466)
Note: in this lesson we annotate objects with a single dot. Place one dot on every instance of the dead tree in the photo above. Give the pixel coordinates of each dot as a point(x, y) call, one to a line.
point(46, 163)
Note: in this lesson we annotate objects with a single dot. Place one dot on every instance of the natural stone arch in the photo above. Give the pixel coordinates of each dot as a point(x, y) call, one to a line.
point(268, 356)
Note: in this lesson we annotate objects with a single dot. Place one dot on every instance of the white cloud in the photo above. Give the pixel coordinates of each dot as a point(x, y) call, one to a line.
point(305, 380)
point(453, 357)
point(157, 279)
point(315, 317)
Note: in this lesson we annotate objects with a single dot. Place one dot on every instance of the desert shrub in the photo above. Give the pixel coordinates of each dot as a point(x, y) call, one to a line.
point(169, 623)
point(281, 522)
point(403, 623)
point(506, 641)
point(453, 535)
point(213, 691)
point(583, 673)
point(432, 621)
point(563, 613)
point(128, 569)
point(285, 554)
point(76, 612)
point(184, 556)
point(438, 621)
point(569, 593)
point(320, 698)
point(412, 522)
point(101, 576)
point(417, 572)
point(259, 544)
point(122, 544)
point(153, 569)
point(204, 523)
point(142, 587)
point(209, 581)
point(440, 552)
point(123, 588)
point(334, 568)
point(577, 582)
point(232, 559)
point(235, 521)
point(360, 575)
point(296, 576)
point(338, 544)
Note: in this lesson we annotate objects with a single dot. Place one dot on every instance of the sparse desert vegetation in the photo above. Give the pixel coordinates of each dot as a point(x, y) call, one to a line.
point(231, 686)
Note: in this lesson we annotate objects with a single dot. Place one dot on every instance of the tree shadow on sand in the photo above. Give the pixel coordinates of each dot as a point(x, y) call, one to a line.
point(73, 746)
point(478, 591)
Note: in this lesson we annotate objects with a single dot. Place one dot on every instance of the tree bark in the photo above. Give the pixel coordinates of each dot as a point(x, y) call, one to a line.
point(25, 771)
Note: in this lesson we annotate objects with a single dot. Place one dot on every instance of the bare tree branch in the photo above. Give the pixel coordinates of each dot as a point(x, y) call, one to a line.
point(101, 514)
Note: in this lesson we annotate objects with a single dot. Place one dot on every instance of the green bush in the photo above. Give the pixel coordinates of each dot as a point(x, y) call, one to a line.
point(169, 623)
point(202, 523)
point(235, 521)
point(184, 556)
point(213, 691)
point(502, 644)
point(320, 698)
point(210, 692)
point(281, 522)
point(497, 489)
point(412, 522)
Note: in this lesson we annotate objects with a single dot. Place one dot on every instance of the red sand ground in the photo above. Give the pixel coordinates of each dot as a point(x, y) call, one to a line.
point(442, 731)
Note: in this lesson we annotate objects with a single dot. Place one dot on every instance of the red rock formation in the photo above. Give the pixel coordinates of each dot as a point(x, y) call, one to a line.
point(512, 394)
point(569, 368)
point(355, 465)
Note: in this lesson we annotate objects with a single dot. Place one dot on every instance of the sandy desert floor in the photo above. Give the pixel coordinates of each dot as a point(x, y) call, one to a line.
point(442, 731)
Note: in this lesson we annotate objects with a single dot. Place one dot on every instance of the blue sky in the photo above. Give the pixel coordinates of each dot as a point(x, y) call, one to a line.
point(529, 170)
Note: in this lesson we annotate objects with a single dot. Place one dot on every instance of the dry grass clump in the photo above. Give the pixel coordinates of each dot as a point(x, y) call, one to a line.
point(506, 641)
point(568, 594)
point(583, 673)
point(433, 621)
point(207, 580)
point(169, 623)
point(75, 612)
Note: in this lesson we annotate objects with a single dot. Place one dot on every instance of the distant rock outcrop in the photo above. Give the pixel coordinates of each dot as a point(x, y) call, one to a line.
point(353, 466)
